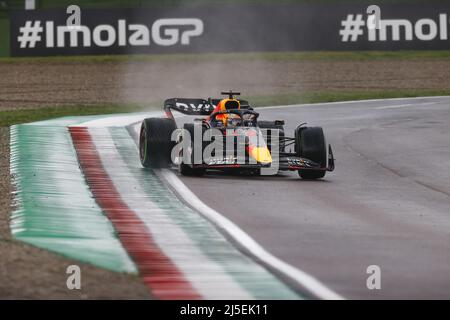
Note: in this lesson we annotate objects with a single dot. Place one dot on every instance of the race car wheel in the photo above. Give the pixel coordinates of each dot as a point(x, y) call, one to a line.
point(310, 144)
point(186, 169)
point(155, 143)
point(272, 125)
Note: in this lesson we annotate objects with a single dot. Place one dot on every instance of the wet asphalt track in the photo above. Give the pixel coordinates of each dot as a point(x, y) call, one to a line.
point(386, 204)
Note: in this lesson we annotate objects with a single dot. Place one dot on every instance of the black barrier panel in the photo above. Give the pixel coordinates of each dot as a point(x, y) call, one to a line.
point(230, 29)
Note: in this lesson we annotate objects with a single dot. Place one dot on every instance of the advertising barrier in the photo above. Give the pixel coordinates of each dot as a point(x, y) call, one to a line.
point(240, 28)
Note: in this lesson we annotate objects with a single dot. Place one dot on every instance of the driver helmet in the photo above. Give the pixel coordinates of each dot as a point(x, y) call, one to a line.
point(227, 104)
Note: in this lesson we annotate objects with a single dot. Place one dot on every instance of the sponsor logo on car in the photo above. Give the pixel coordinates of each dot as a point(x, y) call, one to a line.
point(222, 161)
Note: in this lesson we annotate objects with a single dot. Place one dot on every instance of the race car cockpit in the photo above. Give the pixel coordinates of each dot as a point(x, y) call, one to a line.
point(228, 113)
point(233, 118)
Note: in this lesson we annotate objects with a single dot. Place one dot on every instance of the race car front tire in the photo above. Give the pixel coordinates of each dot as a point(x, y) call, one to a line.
point(155, 144)
point(184, 168)
point(310, 144)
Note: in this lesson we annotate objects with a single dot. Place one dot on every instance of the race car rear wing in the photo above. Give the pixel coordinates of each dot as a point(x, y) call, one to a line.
point(195, 107)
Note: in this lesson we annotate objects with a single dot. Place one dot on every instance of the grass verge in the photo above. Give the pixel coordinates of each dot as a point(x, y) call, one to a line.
point(334, 96)
point(267, 56)
point(10, 117)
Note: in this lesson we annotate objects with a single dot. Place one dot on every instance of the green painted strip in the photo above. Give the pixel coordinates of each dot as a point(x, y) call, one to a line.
point(251, 276)
point(55, 209)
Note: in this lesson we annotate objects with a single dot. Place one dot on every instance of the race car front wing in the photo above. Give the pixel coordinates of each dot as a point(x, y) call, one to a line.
point(287, 161)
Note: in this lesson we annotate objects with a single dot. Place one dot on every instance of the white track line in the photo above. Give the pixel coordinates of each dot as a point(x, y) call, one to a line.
point(351, 102)
point(405, 105)
point(243, 239)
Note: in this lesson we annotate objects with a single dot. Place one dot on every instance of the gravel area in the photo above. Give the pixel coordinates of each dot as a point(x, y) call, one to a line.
point(37, 84)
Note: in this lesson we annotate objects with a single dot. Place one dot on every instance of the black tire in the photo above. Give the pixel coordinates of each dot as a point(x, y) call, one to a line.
point(310, 144)
point(155, 143)
point(186, 169)
point(271, 125)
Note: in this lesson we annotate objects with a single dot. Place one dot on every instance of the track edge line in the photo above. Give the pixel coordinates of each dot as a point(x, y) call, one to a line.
point(301, 278)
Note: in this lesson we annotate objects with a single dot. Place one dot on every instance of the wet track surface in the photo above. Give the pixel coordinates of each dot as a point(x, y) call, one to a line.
point(386, 204)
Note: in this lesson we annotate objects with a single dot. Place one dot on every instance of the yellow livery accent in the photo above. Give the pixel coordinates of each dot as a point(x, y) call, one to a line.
point(261, 154)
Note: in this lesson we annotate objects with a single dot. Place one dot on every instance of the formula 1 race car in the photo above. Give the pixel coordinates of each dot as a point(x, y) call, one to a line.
point(230, 137)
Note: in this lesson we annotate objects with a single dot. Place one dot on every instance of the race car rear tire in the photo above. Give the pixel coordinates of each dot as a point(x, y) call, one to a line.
point(271, 125)
point(310, 144)
point(186, 169)
point(155, 143)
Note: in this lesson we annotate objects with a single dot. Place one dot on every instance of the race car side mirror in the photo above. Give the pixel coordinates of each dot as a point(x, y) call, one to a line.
point(279, 122)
